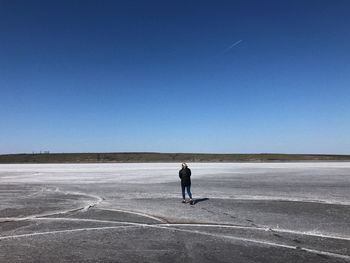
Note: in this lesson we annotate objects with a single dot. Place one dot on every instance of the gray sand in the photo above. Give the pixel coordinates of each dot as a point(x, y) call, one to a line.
point(252, 212)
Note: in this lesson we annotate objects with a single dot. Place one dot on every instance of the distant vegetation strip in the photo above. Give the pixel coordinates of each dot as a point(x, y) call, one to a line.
point(130, 157)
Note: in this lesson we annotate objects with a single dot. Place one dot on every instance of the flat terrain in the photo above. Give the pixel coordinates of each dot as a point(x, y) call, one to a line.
point(244, 212)
point(139, 157)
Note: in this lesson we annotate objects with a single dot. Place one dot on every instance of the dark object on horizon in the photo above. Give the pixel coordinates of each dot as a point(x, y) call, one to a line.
point(146, 157)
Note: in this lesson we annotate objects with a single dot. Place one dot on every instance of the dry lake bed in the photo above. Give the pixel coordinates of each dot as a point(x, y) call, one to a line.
point(244, 212)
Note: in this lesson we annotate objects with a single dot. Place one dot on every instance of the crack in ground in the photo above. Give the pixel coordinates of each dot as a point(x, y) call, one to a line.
point(62, 212)
point(171, 227)
point(159, 219)
point(164, 225)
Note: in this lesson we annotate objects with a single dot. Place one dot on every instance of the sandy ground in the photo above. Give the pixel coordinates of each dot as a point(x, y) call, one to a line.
point(279, 212)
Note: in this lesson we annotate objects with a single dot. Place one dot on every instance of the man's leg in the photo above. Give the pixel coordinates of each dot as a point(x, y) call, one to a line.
point(183, 192)
point(190, 194)
point(189, 191)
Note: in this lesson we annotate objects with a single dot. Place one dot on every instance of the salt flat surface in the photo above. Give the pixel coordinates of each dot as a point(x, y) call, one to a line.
point(251, 212)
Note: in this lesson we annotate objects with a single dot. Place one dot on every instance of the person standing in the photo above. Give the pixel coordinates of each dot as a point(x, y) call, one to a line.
point(185, 176)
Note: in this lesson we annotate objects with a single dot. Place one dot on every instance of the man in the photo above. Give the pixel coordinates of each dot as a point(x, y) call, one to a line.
point(185, 176)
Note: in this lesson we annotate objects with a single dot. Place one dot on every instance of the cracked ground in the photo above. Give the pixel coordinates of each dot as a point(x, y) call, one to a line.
point(253, 212)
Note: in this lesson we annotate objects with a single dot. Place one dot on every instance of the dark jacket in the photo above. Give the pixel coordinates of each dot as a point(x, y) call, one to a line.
point(185, 176)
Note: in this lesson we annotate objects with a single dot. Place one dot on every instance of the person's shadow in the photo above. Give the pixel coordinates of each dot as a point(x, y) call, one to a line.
point(195, 201)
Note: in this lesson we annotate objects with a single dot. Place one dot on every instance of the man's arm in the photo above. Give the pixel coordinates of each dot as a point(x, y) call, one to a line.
point(180, 175)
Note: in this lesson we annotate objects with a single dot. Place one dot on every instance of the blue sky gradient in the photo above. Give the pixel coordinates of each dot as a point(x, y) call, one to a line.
point(165, 76)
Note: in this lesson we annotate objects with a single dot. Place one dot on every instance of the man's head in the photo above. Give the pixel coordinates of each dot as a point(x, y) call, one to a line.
point(184, 165)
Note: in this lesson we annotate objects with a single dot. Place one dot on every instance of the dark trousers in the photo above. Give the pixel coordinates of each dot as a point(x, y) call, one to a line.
point(188, 188)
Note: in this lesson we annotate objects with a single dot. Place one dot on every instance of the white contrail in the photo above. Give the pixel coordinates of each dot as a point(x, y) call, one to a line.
point(233, 45)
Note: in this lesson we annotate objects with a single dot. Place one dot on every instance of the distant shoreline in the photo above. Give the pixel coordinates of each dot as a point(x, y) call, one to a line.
point(151, 157)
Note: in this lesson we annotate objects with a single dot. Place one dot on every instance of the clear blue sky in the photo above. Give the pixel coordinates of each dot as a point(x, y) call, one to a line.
point(175, 76)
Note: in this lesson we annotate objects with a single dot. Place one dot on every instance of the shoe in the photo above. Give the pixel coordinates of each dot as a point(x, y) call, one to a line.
point(191, 202)
point(183, 201)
